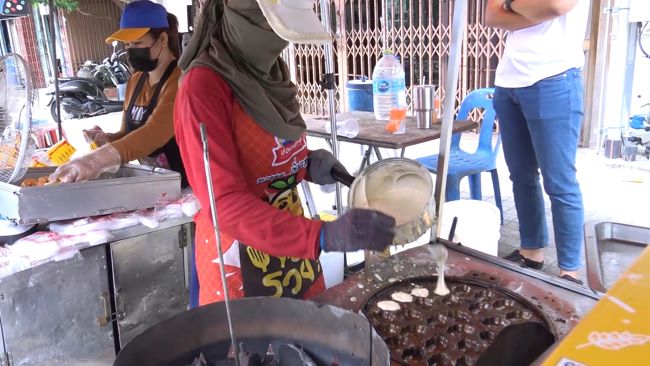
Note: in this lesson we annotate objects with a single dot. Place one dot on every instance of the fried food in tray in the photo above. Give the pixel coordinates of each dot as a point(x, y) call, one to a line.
point(37, 182)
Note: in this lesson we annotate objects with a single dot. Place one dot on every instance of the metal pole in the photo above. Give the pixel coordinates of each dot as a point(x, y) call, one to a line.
point(458, 26)
point(217, 236)
point(291, 54)
point(618, 49)
point(3, 44)
point(602, 61)
point(591, 95)
point(627, 32)
point(330, 87)
point(55, 68)
point(384, 27)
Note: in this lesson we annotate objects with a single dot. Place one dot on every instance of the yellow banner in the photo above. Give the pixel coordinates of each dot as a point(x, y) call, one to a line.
point(617, 330)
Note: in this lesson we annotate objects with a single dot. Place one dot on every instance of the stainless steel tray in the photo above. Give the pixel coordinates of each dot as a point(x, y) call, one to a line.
point(610, 249)
point(133, 187)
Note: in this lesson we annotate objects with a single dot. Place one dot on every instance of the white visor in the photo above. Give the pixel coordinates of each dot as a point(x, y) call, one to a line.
point(295, 21)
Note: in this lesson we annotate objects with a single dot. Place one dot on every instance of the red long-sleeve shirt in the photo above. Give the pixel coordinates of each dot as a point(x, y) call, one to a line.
point(255, 176)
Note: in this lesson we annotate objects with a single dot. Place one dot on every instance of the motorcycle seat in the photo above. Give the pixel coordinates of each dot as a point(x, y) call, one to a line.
point(74, 78)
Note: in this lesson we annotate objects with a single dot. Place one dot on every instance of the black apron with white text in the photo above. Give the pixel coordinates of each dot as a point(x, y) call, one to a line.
point(137, 117)
point(266, 275)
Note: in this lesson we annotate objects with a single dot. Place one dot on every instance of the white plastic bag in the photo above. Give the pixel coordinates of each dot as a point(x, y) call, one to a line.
point(112, 222)
point(38, 248)
point(11, 263)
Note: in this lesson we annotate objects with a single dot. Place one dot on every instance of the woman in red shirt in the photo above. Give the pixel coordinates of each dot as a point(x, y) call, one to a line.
point(237, 85)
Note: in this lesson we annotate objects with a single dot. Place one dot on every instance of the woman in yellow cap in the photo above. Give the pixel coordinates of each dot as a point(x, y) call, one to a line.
point(150, 35)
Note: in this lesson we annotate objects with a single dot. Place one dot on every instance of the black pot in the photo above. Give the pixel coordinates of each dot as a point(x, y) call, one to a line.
point(329, 335)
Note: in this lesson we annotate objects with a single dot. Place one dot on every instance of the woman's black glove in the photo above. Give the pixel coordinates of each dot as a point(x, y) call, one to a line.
point(320, 164)
point(358, 229)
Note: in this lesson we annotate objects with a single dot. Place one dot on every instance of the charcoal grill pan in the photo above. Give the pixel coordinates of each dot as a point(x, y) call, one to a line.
point(330, 335)
point(429, 283)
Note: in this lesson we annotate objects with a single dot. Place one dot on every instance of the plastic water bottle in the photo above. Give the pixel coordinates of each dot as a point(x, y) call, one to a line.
point(388, 86)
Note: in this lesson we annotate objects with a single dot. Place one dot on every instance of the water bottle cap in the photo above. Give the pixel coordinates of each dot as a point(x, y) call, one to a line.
point(388, 51)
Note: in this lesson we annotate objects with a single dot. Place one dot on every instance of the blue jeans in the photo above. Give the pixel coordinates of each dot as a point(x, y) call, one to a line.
point(540, 125)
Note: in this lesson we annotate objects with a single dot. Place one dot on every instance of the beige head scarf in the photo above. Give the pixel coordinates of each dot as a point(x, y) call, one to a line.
point(230, 39)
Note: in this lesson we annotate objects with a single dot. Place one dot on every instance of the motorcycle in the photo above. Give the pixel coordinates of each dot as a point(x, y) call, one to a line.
point(83, 96)
point(114, 70)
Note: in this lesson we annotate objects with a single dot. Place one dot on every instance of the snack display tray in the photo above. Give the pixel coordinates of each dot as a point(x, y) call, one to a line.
point(133, 187)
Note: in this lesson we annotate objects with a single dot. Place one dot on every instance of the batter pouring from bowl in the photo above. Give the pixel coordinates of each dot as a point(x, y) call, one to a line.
point(396, 187)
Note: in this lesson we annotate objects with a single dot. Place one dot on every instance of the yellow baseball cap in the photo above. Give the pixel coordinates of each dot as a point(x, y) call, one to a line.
point(137, 19)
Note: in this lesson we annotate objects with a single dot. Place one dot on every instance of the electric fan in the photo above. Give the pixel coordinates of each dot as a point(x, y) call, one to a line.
point(16, 97)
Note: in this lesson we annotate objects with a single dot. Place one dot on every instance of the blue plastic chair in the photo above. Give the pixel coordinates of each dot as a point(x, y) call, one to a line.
point(463, 164)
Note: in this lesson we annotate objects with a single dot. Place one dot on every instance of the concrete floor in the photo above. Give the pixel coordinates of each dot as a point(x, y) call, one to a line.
point(613, 190)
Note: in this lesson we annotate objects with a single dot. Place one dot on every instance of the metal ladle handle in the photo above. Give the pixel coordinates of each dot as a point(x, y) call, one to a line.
point(215, 224)
point(452, 231)
point(342, 176)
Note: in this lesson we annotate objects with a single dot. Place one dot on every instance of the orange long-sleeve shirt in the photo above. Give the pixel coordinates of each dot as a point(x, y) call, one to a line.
point(158, 129)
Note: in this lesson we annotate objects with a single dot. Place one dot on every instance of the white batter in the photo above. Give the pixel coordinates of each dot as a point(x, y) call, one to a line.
point(402, 297)
point(439, 254)
point(388, 305)
point(403, 204)
point(420, 292)
point(398, 191)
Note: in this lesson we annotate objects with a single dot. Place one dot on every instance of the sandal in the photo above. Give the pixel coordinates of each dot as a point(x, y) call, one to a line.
point(519, 259)
point(572, 279)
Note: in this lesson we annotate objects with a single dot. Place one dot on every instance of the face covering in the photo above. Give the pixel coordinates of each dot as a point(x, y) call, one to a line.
point(249, 42)
point(140, 59)
point(233, 42)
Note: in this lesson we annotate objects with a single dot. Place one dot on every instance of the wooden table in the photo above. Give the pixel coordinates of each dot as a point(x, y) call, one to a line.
point(373, 132)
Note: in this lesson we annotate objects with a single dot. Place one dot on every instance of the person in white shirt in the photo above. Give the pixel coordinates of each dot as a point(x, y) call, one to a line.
point(539, 104)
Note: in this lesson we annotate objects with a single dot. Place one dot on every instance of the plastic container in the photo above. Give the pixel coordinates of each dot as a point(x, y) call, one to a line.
point(360, 95)
point(347, 127)
point(397, 124)
point(121, 91)
point(331, 262)
point(61, 152)
point(389, 86)
point(637, 122)
point(478, 226)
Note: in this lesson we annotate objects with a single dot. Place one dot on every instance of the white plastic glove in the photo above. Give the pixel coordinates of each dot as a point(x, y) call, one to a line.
point(106, 159)
point(97, 135)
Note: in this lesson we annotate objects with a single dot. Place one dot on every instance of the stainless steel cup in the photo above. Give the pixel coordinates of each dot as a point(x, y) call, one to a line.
point(424, 105)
